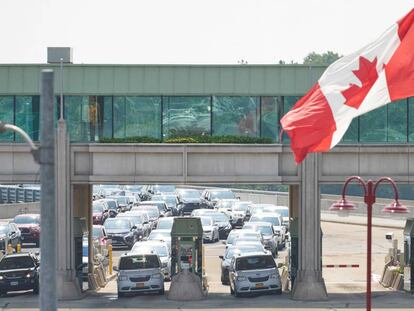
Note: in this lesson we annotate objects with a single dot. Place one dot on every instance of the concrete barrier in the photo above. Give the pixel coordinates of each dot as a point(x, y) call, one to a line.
point(11, 210)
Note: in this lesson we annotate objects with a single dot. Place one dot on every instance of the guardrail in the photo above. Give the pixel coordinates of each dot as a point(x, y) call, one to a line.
point(14, 194)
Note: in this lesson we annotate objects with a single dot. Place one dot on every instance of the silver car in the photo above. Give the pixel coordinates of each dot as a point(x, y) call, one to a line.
point(139, 272)
point(254, 273)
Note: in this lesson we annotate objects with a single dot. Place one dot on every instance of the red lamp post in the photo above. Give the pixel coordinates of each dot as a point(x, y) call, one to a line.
point(370, 188)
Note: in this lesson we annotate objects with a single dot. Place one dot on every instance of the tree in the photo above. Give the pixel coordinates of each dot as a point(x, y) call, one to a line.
point(326, 58)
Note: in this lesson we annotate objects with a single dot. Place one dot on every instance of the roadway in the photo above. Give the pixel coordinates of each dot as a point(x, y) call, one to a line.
point(343, 244)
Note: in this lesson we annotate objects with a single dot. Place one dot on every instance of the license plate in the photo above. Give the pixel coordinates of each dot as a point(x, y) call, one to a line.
point(14, 283)
point(140, 285)
point(259, 285)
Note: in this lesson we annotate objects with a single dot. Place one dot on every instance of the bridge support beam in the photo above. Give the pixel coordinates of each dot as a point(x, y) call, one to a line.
point(67, 283)
point(309, 284)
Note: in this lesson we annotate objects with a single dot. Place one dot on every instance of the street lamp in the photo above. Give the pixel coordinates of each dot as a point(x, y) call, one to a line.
point(370, 188)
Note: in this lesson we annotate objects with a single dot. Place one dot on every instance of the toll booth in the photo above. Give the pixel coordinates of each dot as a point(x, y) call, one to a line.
point(187, 246)
point(409, 255)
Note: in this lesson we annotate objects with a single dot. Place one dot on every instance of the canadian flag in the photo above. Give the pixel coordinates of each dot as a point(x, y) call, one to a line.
point(377, 74)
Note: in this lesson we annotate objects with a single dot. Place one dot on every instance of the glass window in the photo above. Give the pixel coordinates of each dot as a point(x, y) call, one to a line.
point(6, 115)
point(373, 125)
point(104, 105)
point(270, 126)
point(186, 116)
point(411, 119)
point(237, 116)
point(397, 121)
point(137, 116)
point(81, 117)
point(27, 116)
point(288, 103)
point(351, 134)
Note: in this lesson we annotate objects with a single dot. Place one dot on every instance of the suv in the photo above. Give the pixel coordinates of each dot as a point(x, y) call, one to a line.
point(19, 272)
point(254, 273)
point(139, 272)
point(29, 226)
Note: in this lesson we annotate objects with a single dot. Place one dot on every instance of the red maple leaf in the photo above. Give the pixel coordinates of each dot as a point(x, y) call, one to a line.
point(367, 74)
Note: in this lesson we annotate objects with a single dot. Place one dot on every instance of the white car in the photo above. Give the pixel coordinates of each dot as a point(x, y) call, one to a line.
point(210, 230)
point(139, 272)
point(157, 247)
point(276, 220)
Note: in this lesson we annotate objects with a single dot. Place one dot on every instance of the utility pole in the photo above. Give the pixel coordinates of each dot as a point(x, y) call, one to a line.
point(47, 293)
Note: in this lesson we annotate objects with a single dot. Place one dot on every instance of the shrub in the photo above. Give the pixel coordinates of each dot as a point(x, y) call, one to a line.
point(192, 140)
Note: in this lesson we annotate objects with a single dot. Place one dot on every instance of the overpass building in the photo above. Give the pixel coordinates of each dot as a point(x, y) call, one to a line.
point(102, 102)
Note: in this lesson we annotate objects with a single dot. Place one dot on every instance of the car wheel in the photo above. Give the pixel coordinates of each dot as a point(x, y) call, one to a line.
point(36, 290)
point(3, 292)
point(121, 294)
point(161, 291)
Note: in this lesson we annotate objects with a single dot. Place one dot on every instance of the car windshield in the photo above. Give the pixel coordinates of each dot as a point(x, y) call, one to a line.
point(241, 240)
point(139, 262)
point(111, 204)
point(255, 263)
point(3, 229)
point(243, 249)
point(122, 200)
point(231, 251)
point(164, 188)
point(97, 233)
point(160, 250)
point(165, 223)
point(282, 212)
point(231, 238)
point(272, 219)
point(225, 204)
point(222, 195)
point(135, 219)
point(152, 212)
point(241, 207)
point(249, 234)
point(265, 230)
point(26, 220)
point(117, 223)
point(16, 262)
point(206, 221)
point(98, 208)
point(219, 217)
point(190, 194)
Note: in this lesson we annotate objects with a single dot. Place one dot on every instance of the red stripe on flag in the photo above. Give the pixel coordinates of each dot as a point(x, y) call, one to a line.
point(405, 23)
point(400, 69)
point(309, 124)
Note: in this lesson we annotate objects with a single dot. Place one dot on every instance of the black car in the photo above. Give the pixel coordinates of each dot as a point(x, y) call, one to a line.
point(121, 231)
point(223, 223)
point(19, 272)
point(188, 200)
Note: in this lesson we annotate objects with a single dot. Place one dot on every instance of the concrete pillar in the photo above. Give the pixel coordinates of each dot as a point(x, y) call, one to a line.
point(309, 284)
point(67, 284)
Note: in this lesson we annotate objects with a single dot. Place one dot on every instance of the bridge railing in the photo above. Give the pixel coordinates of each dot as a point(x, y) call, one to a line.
point(15, 194)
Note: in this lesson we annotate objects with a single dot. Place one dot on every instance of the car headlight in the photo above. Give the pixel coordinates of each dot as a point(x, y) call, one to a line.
point(157, 276)
point(29, 275)
point(122, 278)
point(273, 276)
point(1, 277)
point(241, 278)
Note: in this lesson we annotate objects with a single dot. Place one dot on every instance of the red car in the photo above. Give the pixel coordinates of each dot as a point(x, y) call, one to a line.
point(99, 212)
point(29, 226)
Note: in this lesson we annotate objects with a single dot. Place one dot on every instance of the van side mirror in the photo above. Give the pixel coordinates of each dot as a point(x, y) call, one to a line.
point(221, 257)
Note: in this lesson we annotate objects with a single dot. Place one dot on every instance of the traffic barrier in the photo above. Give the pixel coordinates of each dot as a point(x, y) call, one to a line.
point(18, 248)
point(341, 266)
point(99, 277)
point(9, 249)
point(92, 282)
point(110, 258)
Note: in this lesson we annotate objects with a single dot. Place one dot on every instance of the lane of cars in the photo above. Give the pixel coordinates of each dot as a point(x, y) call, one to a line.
point(139, 219)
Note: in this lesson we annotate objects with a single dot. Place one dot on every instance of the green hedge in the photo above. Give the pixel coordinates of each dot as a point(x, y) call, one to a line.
point(192, 140)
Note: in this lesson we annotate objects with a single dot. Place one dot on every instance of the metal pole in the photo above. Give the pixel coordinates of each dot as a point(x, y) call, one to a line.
point(47, 293)
point(369, 200)
point(61, 89)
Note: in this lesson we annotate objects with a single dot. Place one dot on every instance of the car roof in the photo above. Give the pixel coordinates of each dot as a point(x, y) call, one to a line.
point(253, 254)
point(134, 253)
point(30, 215)
point(247, 231)
point(22, 254)
point(161, 230)
point(218, 189)
point(266, 214)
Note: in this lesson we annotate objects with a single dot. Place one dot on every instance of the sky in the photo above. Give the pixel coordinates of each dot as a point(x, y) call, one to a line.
point(191, 31)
